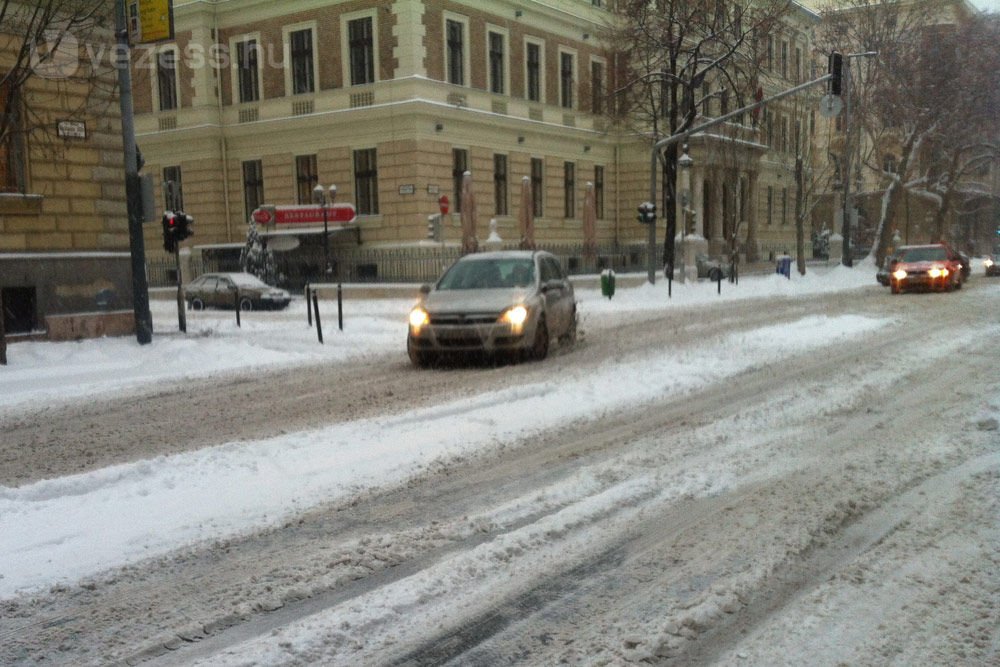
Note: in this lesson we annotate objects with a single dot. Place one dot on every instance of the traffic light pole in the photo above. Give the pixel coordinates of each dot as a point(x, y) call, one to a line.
point(133, 193)
point(684, 136)
point(181, 315)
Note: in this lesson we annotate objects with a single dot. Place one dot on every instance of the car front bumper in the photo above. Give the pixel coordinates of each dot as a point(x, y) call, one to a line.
point(489, 338)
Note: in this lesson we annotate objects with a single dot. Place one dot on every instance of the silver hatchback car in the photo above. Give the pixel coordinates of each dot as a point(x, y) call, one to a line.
point(509, 302)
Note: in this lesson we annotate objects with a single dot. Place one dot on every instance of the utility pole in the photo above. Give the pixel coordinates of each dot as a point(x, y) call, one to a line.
point(133, 190)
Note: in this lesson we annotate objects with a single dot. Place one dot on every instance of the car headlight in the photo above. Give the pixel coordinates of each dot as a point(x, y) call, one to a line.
point(515, 316)
point(899, 274)
point(937, 272)
point(418, 319)
point(988, 263)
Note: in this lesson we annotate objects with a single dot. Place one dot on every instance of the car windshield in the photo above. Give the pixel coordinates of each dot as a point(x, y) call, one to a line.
point(489, 274)
point(924, 255)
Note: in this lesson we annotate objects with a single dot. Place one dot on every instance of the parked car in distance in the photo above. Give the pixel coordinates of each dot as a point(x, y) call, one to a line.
point(926, 267)
point(510, 302)
point(229, 290)
point(966, 264)
point(991, 264)
point(709, 268)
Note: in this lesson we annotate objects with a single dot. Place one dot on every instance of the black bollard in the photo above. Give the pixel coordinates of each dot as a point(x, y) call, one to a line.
point(237, 304)
point(309, 307)
point(319, 327)
point(340, 306)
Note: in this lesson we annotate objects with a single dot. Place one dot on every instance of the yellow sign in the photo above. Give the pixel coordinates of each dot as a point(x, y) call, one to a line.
point(150, 20)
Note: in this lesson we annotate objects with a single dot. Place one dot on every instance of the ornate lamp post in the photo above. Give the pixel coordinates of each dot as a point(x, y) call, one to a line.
point(684, 164)
point(321, 198)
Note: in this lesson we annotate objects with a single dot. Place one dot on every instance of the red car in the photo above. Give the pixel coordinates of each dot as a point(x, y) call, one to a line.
point(925, 267)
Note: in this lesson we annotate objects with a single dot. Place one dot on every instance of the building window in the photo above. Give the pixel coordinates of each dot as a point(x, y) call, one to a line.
point(533, 81)
point(306, 178)
point(247, 76)
point(889, 164)
point(361, 41)
point(769, 58)
point(301, 50)
point(455, 38)
point(569, 189)
point(784, 206)
point(500, 184)
point(366, 181)
point(770, 205)
point(173, 190)
point(784, 60)
point(597, 87)
point(599, 191)
point(253, 186)
point(497, 63)
point(166, 79)
point(706, 99)
point(566, 80)
point(459, 165)
point(798, 64)
point(537, 189)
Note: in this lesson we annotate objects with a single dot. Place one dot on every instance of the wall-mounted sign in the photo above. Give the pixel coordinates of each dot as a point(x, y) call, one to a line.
point(72, 129)
point(407, 189)
point(150, 21)
point(304, 214)
point(433, 189)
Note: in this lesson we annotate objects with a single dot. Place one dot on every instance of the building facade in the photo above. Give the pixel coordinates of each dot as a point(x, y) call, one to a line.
point(64, 240)
point(255, 103)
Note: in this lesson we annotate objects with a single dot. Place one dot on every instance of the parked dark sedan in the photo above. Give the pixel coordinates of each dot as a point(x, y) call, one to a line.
point(229, 290)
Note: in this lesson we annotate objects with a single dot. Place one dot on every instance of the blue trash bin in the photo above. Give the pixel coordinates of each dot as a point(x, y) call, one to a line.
point(784, 266)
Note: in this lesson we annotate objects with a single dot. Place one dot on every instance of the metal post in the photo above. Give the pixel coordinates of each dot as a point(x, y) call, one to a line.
point(3, 335)
point(319, 327)
point(846, 258)
point(340, 306)
point(181, 317)
point(133, 191)
point(309, 310)
point(237, 304)
point(326, 240)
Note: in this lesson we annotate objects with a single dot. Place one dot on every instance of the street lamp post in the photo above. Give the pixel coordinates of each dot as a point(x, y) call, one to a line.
point(684, 163)
point(321, 198)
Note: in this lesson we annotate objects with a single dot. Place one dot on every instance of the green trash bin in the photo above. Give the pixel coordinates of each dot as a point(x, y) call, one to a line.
point(607, 283)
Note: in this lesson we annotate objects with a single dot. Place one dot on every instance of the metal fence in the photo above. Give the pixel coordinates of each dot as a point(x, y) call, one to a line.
point(414, 264)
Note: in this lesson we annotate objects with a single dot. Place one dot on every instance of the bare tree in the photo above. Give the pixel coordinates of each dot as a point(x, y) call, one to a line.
point(65, 44)
point(665, 52)
point(919, 101)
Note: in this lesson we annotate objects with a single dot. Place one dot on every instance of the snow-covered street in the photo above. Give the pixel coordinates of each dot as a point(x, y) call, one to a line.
point(790, 472)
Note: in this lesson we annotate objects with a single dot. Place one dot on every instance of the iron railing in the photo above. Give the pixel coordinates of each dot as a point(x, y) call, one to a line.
point(414, 264)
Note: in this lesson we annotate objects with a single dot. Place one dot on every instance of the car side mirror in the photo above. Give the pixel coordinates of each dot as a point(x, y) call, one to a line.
point(425, 289)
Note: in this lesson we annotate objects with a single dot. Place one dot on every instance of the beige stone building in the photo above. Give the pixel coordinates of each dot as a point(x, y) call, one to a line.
point(257, 102)
point(64, 242)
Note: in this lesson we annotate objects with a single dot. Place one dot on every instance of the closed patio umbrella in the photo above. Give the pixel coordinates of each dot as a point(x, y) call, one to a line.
point(468, 215)
point(526, 216)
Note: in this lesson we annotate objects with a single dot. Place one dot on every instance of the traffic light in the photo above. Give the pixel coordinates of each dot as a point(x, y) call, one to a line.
point(647, 213)
point(184, 226)
point(169, 232)
point(836, 68)
point(434, 227)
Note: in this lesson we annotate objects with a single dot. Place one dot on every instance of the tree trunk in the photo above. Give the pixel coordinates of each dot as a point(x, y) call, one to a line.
point(800, 232)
